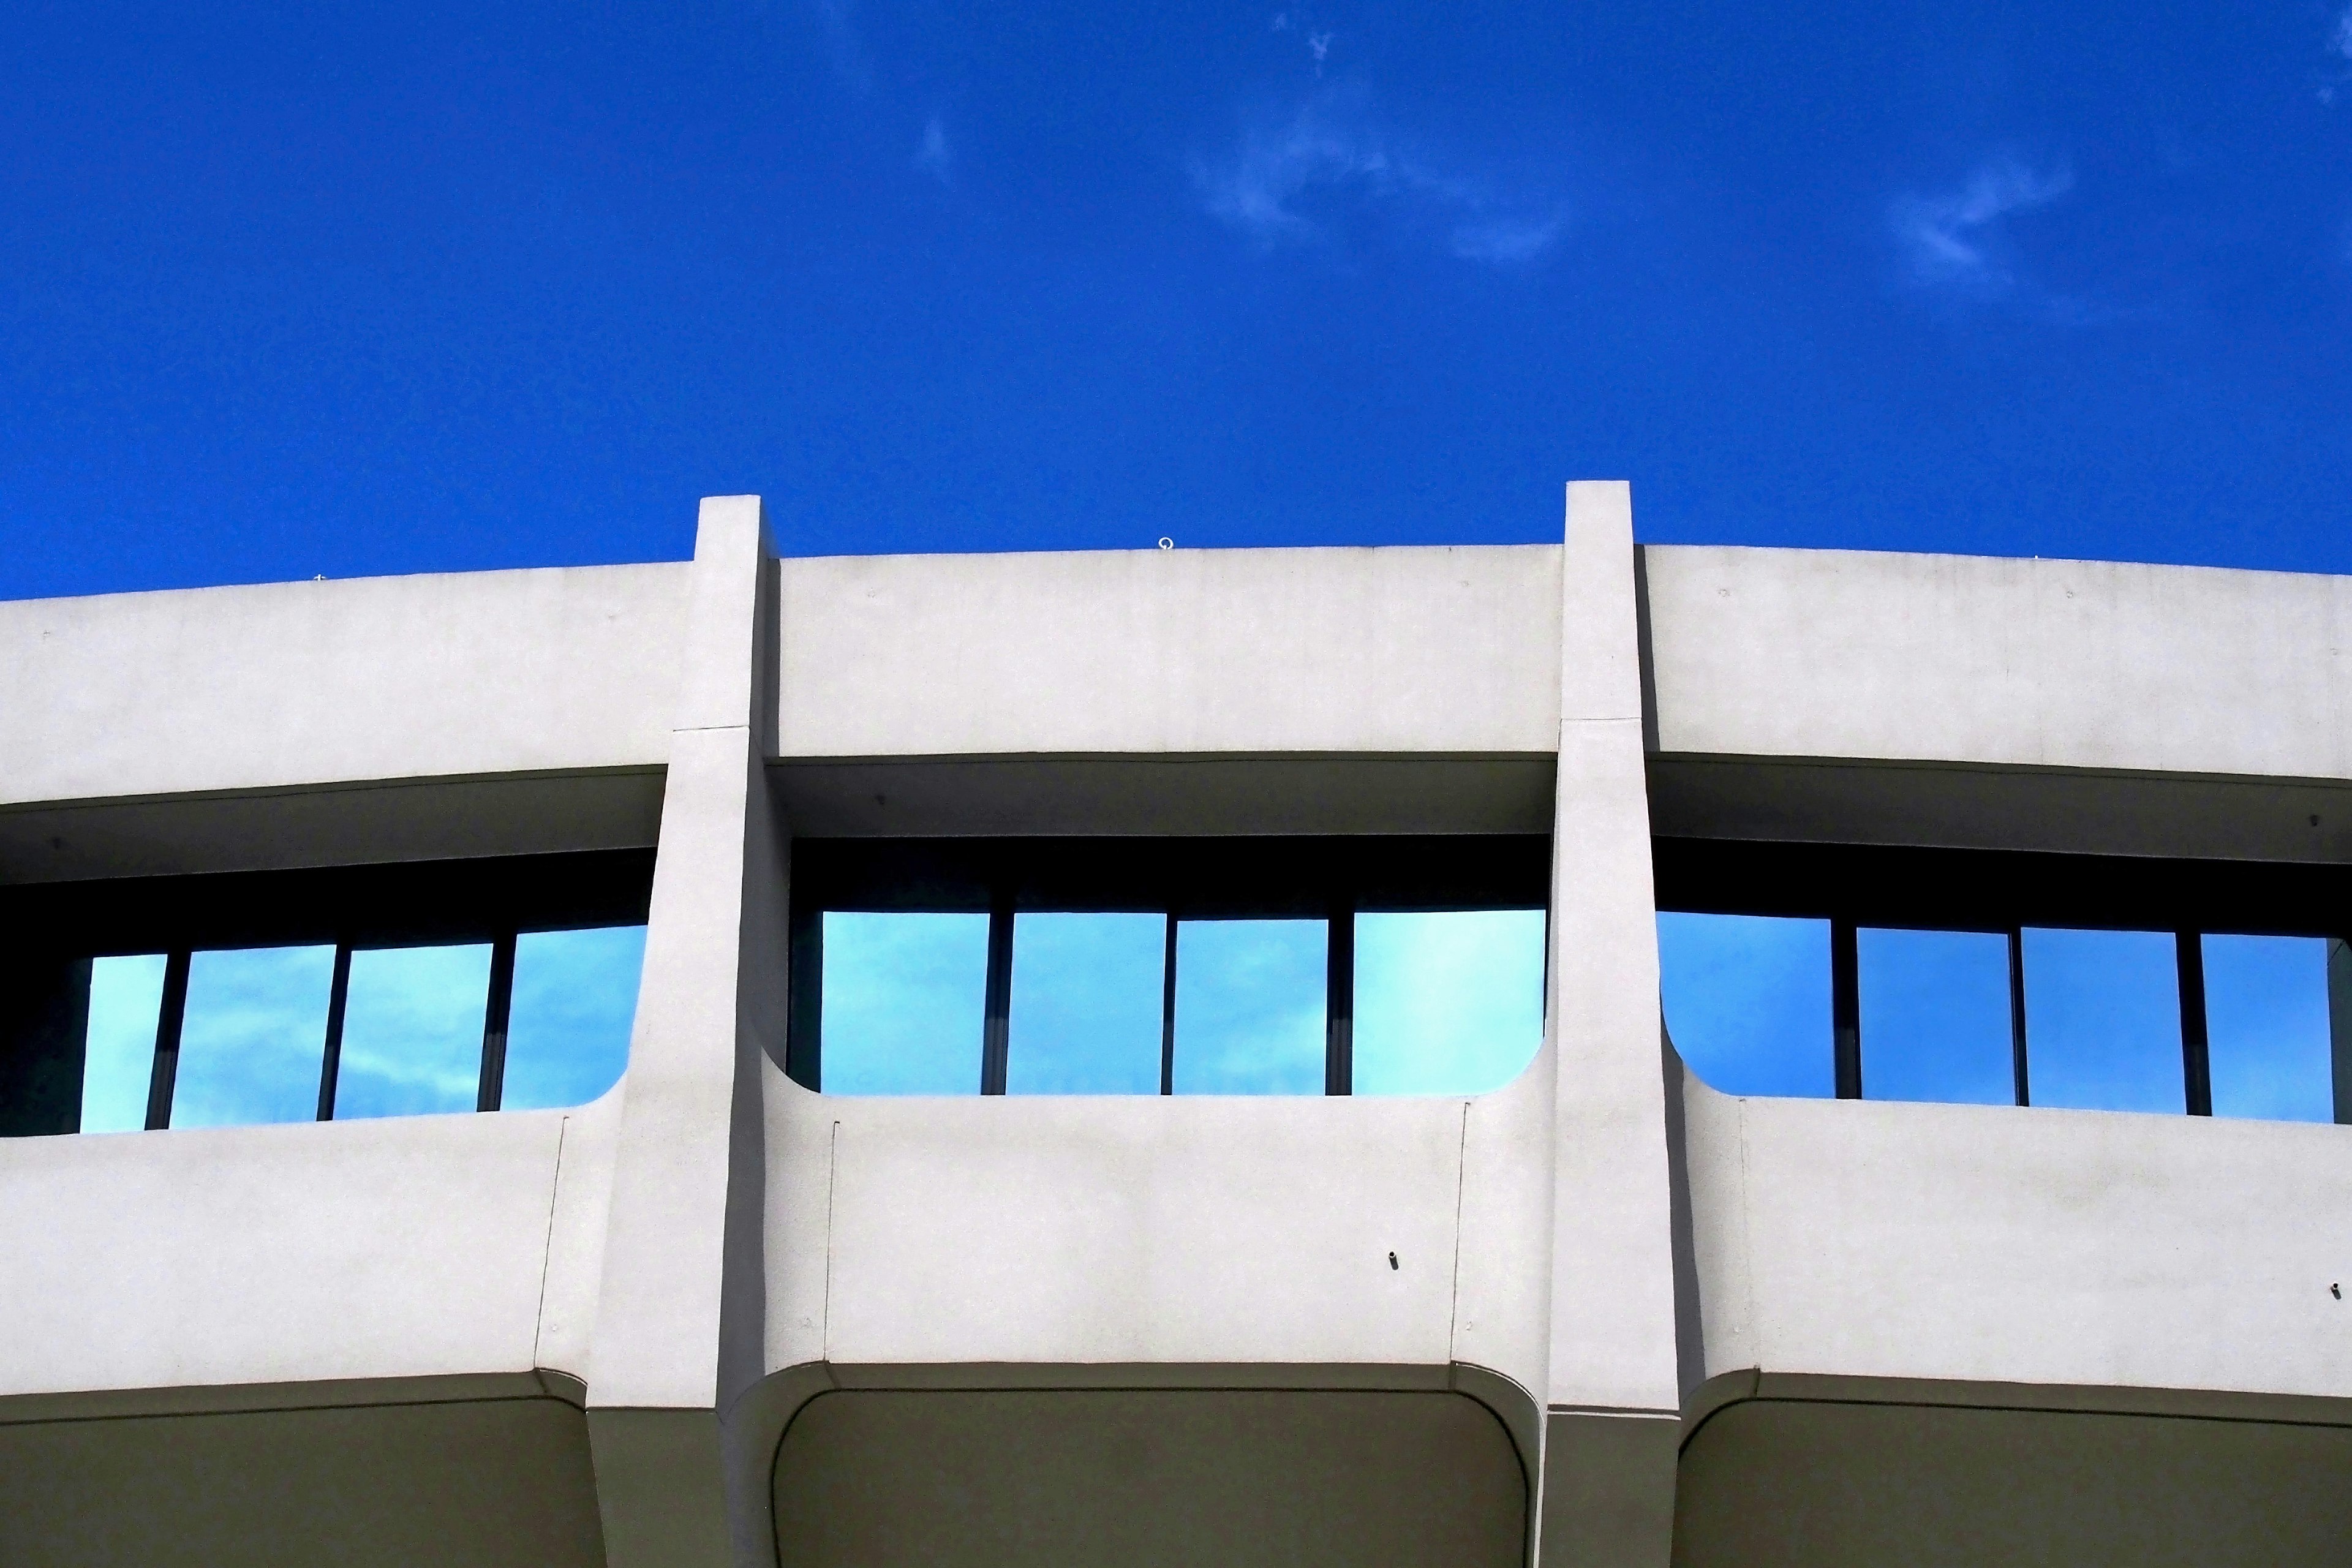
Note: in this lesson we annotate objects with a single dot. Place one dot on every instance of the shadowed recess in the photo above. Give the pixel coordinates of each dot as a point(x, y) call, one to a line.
point(1147, 1478)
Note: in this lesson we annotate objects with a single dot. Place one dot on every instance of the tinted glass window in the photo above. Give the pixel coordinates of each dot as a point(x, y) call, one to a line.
point(1747, 1000)
point(1086, 991)
point(903, 1002)
point(575, 1002)
point(118, 1052)
point(254, 1037)
point(2103, 1020)
point(1447, 1003)
point(1250, 1005)
point(2266, 1026)
point(412, 1031)
point(1934, 1017)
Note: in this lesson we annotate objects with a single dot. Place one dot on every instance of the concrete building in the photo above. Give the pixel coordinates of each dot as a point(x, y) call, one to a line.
point(1600, 1314)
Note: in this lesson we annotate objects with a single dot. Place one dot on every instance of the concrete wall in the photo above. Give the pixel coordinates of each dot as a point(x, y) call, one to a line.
point(1987, 1244)
point(1448, 650)
point(2067, 664)
point(306, 683)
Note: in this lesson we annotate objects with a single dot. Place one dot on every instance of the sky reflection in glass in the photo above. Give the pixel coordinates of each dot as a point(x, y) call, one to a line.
point(575, 1002)
point(2267, 1028)
point(119, 1054)
point(1447, 1003)
point(904, 998)
point(1250, 1005)
point(1747, 1001)
point(255, 1036)
point(412, 1031)
point(1086, 1004)
point(2103, 1020)
point(1934, 1017)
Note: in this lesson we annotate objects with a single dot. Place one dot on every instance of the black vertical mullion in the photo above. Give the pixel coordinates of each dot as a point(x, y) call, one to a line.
point(497, 1007)
point(2017, 1014)
point(168, 1018)
point(997, 1008)
point(2196, 1059)
point(330, 1059)
point(1168, 1011)
point(1339, 1002)
point(1845, 1008)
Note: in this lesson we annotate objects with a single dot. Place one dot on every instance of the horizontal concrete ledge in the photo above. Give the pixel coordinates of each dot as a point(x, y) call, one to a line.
point(334, 1394)
point(1167, 793)
point(1971, 805)
point(1720, 1393)
point(345, 823)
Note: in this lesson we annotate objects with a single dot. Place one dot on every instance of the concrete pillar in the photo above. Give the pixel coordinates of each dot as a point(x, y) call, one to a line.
point(1612, 1417)
point(679, 1324)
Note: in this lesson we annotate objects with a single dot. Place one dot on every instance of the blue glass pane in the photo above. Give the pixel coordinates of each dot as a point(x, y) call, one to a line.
point(2267, 1029)
point(125, 995)
point(1447, 1003)
point(412, 1031)
point(1934, 1017)
point(904, 998)
point(1249, 1006)
point(575, 1001)
point(255, 1036)
point(2103, 1020)
point(1747, 1000)
point(1086, 1004)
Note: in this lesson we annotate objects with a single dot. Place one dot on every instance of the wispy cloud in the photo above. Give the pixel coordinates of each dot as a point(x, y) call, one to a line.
point(933, 156)
point(1957, 240)
point(2339, 44)
point(1296, 178)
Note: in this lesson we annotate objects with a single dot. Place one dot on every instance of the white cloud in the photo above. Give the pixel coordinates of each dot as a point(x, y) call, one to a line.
point(1289, 179)
point(934, 156)
point(2342, 41)
point(1957, 239)
point(1506, 241)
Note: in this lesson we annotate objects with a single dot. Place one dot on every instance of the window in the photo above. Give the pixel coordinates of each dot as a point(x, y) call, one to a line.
point(1934, 1017)
point(1446, 1003)
point(1747, 1001)
point(568, 1024)
point(252, 1037)
point(1250, 1006)
point(2268, 1032)
point(1086, 1003)
point(904, 1000)
point(1997, 977)
point(2103, 1020)
point(126, 1000)
point(412, 1037)
point(1401, 965)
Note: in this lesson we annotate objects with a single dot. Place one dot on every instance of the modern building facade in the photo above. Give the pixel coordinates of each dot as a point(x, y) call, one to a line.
point(1589, 1310)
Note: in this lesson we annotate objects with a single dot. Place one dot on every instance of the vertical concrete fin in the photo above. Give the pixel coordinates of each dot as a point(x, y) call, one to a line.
point(679, 1324)
point(1613, 1402)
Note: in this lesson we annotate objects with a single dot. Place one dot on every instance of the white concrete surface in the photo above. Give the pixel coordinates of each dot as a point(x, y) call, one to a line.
point(218, 689)
point(1990, 1245)
point(2070, 663)
point(1148, 651)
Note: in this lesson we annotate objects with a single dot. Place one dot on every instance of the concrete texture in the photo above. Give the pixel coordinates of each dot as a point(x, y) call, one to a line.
point(2073, 664)
point(1184, 651)
point(490, 672)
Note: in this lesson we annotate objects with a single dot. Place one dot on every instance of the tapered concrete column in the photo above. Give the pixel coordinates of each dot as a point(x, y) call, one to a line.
point(679, 1323)
point(1613, 1417)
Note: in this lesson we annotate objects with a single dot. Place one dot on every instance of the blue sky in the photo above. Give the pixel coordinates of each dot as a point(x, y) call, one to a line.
point(351, 291)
